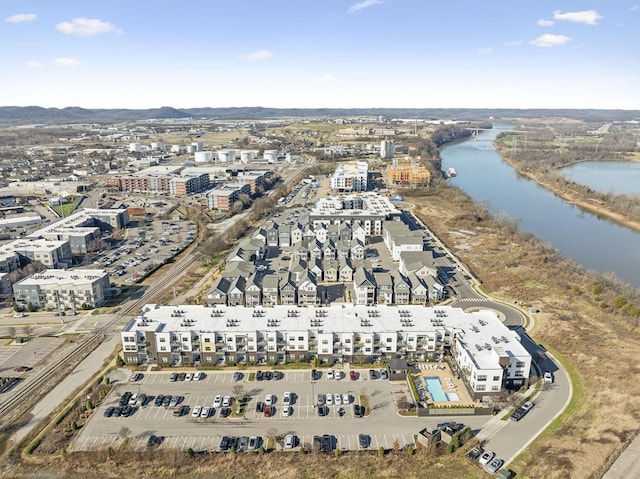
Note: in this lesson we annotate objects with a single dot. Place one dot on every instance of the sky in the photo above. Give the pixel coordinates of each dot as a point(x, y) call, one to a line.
point(321, 53)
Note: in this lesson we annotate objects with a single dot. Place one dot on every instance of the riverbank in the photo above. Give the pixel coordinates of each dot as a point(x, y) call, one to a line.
point(597, 208)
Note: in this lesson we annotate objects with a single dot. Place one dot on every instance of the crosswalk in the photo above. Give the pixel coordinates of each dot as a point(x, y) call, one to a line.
point(472, 300)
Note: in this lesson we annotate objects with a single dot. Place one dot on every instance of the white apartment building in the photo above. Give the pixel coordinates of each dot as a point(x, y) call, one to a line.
point(60, 289)
point(350, 177)
point(487, 353)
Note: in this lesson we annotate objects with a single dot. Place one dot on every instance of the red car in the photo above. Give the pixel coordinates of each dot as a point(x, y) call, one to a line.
point(352, 375)
point(21, 369)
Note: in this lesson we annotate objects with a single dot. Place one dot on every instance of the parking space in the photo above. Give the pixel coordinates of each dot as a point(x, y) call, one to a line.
point(382, 426)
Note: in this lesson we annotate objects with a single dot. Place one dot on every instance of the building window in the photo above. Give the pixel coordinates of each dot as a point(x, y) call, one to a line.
point(496, 378)
point(482, 377)
point(389, 340)
point(481, 387)
point(325, 341)
point(163, 340)
point(325, 350)
point(520, 364)
point(347, 341)
point(495, 388)
point(367, 341)
point(300, 338)
point(207, 340)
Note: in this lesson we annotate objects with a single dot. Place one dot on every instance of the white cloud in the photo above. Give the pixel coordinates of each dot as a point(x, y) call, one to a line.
point(65, 62)
point(634, 8)
point(356, 7)
point(258, 55)
point(549, 40)
point(34, 65)
point(545, 23)
point(514, 43)
point(484, 51)
point(328, 78)
point(21, 18)
point(588, 17)
point(86, 27)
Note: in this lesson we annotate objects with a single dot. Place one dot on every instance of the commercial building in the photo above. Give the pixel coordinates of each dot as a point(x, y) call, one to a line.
point(487, 353)
point(60, 289)
point(350, 177)
point(387, 149)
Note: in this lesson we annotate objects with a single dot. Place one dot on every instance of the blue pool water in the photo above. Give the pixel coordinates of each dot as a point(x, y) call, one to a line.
point(435, 389)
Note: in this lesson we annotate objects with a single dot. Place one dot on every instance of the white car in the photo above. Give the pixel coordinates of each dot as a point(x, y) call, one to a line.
point(286, 398)
point(329, 400)
point(269, 399)
point(346, 399)
point(286, 410)
point(330, 374)
point(337, 375)
point(548, 377)
point(289, 441)
point(486, 457)
point(337, 399)
point(217, 401)
point(206, 412)
point(226, 401)
point(198, 376)
point(196, 411)
point(188, 377)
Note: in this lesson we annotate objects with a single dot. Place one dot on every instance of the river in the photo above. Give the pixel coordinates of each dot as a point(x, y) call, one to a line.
point(596, 243)
point(618, 177)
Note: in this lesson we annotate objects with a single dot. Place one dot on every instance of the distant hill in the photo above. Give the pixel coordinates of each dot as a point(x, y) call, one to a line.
point(14, 115)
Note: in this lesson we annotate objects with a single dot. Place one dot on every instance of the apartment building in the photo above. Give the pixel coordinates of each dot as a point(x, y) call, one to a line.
point(225, 196)
point(61, 289)
point(350, 177)
point(487, 353)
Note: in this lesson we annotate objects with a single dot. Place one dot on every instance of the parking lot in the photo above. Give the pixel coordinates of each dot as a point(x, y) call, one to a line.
point(382, 425)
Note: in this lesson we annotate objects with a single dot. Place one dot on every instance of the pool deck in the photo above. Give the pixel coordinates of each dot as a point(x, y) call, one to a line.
point(448, 382)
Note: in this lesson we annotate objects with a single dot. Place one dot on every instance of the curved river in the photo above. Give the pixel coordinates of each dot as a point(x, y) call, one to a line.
point(597, 244)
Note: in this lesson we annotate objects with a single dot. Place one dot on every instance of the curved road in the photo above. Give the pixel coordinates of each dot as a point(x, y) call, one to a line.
point(505, 437)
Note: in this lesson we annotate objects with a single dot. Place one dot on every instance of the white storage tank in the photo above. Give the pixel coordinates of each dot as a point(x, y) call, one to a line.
point(247, 156)
point(271, 156)
point(203, 156)
point(224, 155)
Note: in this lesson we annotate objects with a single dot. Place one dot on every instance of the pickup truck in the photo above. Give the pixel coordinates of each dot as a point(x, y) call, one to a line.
point(522, 411)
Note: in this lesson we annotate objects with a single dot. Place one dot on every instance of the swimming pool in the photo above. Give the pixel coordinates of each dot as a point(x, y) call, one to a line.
point(434, 386)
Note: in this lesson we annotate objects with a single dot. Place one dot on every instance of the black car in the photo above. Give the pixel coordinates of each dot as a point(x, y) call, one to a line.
point(364, 440)
point(124, 399)
point(268, 375)
point(358, 411)
point(323, 411)
point(243, 443)
point(126, 411)
point(278, 375)
point(259, 376)
point(159, 399)
point(151, 441)
point(166, 400)
point(225, 443)
point(225, 412)
point(476, 452)
point(109, 412)
point(159, 440)
point(237, 376)
point(315, 375)
point(137, 377)
point(181, 376)
point(116, 411)
point(259, 406)
point(326, 443)
point(372, 374)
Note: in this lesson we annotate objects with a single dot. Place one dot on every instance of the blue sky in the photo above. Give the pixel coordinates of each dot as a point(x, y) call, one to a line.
point(321, 53)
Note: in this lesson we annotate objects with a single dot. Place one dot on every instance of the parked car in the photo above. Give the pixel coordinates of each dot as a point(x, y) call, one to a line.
point(358, 411)
point(198, 376)
point(206, 412)
point(286, 410)
point(259, 406)
point(315, 374)
point(196, 411)
point(158, 400)
point(476, 452)
point(133, 399)
point(326, 443)
point(225, 443)
point(269, 399)
point(329, 399)
point(548, 377)
point(237, 376)
point(225, 412)
point(173, 377)
point(226, 401)
point(352, 375)
point(21, 369)
point(151, 441)
point(337, 399)
point(217, 401)
point(320, 400)
point(383, 374)
point(494, 465)
point(286, 398)
point(289, 441)
point(253, 443)
point(109, 411)
point(363, 441)
point(330, 374)
point(188, 376)
point(486, 457)
point(268, 411)
point(346, 399)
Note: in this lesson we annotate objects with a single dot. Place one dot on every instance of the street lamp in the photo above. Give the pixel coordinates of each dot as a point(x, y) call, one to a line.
point(313, 396)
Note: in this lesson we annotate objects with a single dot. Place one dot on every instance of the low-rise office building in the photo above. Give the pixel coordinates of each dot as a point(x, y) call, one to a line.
point(61, 289)
point(488, 354)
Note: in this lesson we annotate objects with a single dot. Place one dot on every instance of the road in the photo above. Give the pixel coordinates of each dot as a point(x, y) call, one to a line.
point(506, 438)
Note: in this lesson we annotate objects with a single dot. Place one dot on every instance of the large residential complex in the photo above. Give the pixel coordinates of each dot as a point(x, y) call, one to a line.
point(350, 177)
point(160, 178)
point(488, 354)
point(369, 209)
point(59, 289)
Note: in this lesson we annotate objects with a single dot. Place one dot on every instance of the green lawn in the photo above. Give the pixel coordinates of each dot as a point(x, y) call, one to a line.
point(67, 208)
